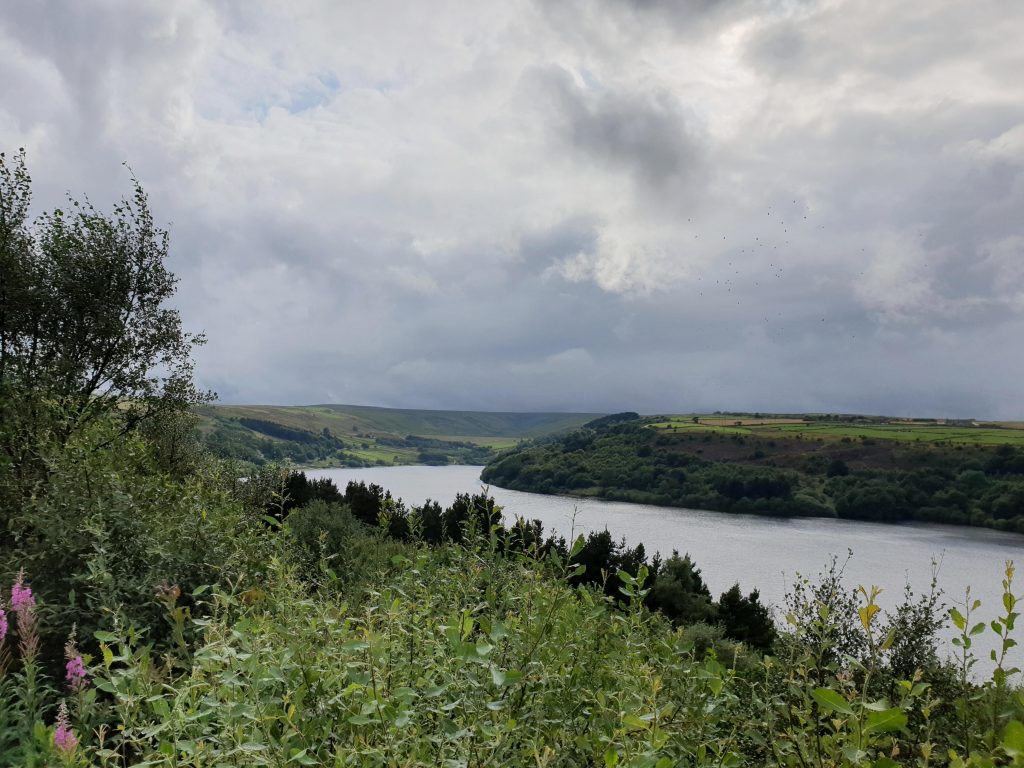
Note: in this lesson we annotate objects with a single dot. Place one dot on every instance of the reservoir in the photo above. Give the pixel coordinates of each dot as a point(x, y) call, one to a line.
point(765, 553)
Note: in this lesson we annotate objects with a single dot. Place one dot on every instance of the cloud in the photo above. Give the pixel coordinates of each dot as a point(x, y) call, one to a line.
point(578, 205)
point(646, 134)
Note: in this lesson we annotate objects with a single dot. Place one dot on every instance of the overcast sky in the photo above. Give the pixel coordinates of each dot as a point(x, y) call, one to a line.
point(783, 205)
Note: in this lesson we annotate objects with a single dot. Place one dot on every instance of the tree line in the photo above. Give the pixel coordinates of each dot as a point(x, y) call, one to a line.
point(627, 461)
point(676, 587)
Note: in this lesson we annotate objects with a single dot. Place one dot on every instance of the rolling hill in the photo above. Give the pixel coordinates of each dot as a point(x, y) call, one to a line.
point(360, 435)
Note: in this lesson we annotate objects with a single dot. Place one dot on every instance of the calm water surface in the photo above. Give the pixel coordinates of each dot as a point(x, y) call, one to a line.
point(760, 552)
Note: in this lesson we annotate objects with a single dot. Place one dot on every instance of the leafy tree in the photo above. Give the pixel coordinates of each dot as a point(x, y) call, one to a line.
point(85, 330)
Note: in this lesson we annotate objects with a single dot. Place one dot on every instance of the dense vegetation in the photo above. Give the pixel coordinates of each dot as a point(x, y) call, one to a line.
point(361, 436)
point(641, 460)
point(163, 607)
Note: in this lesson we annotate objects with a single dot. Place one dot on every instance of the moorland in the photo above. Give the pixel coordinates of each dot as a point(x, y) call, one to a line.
point(855, 467)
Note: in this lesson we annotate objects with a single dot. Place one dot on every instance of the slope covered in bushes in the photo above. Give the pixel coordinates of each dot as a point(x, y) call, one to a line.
point(641, 460)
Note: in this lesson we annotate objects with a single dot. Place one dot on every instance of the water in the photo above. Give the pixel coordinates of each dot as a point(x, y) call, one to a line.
point(758, 552)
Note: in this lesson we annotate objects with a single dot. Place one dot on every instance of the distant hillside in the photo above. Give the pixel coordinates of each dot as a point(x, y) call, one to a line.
point(856, 467)
point(358, 435)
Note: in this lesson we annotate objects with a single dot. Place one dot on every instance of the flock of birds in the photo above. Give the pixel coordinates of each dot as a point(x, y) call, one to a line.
point(729, 286)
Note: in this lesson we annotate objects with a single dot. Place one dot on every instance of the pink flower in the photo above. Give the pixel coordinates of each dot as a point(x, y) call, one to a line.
point(64, 738)
point(22, 598)
point(75, 672)
point(3, 625)
point(24, 606)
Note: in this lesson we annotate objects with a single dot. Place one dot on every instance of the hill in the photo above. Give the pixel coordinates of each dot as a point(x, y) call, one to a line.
point(359, 435)
point(869, 468)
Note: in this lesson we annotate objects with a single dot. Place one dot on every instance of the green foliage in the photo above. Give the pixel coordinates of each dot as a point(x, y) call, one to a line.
point(85, 330)
point(746, 619)
point(680, 593)
point(182, 611)
point(360, 436)
point(326, 534)
point(656, 462)
point(457, 655)
point(111, 527)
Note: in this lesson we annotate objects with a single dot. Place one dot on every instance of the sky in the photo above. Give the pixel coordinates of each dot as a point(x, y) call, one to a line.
point(584, 205)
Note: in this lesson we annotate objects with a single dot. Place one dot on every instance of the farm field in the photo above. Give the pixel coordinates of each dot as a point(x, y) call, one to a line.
point(987, 433)
point(353, 435)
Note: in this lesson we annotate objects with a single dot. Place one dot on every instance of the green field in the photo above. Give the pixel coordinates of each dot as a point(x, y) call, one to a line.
point(986, 433)
point(356, 435)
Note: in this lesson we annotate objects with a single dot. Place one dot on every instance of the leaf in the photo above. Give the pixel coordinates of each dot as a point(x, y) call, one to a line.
point(894, 719)
point(1013, 738)
point(497, 675)
point(958, 618)
point(831, 701)
point(302, 758)
point(634, 723)
point(890, 638)
point(483, 647)
point(867, 613)
point(355, 645)
point(854, 755)
point(577, 546)
point(497, 632)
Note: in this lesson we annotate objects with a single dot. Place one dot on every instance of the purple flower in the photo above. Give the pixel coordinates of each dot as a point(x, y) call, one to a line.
point(3, 625)
point(64, 738)
point(75, 672)
point(24, 607)
point(22, 598)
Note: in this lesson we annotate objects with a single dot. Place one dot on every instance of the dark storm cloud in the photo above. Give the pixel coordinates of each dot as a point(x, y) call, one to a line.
point(646, 134)
point(602, 205)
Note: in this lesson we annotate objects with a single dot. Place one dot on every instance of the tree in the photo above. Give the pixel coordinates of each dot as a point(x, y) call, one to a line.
point(746, 619)
point(85, 330)
point(680, 593)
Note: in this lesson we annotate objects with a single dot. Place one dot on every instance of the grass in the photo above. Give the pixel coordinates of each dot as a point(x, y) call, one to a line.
point(990, 433)
point(374, 435)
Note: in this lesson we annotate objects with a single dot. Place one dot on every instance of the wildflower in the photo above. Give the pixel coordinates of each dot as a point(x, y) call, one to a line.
point(23, 603)
point(75, 672)
point(64, 738)
point(3, 624)
point(21, 594)
point(168, 593)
